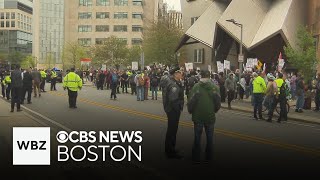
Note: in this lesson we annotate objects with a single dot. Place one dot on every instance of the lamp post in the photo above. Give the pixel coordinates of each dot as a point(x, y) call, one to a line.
point(240, 58)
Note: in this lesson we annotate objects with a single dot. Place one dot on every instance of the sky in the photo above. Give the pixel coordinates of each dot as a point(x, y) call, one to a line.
point(173, 4)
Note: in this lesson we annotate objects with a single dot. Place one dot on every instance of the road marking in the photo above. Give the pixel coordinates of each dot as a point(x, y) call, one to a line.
point(245, 137)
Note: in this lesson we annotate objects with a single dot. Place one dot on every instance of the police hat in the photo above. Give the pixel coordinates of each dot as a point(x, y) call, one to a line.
point(175, 70)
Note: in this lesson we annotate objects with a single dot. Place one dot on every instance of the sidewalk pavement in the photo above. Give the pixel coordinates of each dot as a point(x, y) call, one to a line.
point(308, 116)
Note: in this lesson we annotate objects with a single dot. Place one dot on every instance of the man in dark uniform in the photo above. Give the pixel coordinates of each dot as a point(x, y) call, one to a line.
point(16, 88)
point(173, 106)
point(27, 86)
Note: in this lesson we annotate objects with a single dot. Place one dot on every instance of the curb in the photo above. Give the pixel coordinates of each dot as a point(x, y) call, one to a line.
point(275, 115)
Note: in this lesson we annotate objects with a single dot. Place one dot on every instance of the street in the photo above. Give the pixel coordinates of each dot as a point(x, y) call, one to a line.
point(243, 147)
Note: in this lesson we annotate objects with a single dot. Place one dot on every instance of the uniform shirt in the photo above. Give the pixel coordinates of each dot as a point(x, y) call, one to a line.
point(72, 81)
point(174, 97)
point(259, 85)
point(16, 79)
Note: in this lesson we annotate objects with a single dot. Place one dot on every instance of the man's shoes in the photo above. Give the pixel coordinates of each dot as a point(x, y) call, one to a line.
point(29, 102)
point(261, 118)
point(279, 121)
point(19, 110)
point(75, 107)
point(255, 118)
point(269, 120)
point(196, 162)
point(12, 110)
point(297, 110)
point(174, 156)
point(300, 111)
point(39, 95)
point(35, 96)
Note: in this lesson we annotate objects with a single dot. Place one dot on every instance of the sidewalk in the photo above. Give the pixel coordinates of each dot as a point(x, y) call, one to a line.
point(308, 116)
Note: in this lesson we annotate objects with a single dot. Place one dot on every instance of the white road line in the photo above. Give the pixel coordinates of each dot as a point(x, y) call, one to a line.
point(48, 119)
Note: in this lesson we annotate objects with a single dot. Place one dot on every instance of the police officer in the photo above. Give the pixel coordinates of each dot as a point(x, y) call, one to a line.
point(7, 85)
point(53, 80)
point(281, 98)
point(173, 105)
point(73, 83)
point(43, 80)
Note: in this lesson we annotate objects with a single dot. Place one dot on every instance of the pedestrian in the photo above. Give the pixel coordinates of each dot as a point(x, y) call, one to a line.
point(154, 83)
point(124, 82)
point(113, 84)
point(317, 93)
point(36, 77)
point(133, 84)
point(73, 83)
point(293, 86)
point(7, 85)
point(173, 106)
point(27, 86)
point(3, 87)
point(271, 91)
point(300, 88)
point(206, 102)
point(16, 88)
point(259, 89)
point(100, 80)
point(222, 88)
point(53, 80)
point(43, 80)
point(146, 85)
point(230, 85)
point(242, 87)
point(280, 97)
point(139, 81)
point(191, 81)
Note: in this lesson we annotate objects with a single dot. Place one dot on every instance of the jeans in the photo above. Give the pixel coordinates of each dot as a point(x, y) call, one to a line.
point(258, 99)
point(300, 101)
point(196, 150)
point(154, 91)
point(140, 93)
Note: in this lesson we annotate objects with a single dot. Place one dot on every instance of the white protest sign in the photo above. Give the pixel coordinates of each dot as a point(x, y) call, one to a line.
point(226, 64)
point(209, 68)
point(148, 67)
point(104, 67)
point(255, 62)
point(220, 67)
point(135, 66)
point(249, 63)
point(189, 66)
point(281, 64)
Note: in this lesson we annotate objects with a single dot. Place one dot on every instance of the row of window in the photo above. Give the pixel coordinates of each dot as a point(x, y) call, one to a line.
point(106, 15)
point(12, 24)
point(88, 41)
point(107, 2)
point(105, 28)
point(12, 15)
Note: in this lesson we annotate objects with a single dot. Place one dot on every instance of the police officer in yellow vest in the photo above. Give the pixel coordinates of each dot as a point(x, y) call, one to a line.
point(73, 83)
point(53, 80)
point(259, 89)
point(43, 80)
point(7, 83)
point(279, 98)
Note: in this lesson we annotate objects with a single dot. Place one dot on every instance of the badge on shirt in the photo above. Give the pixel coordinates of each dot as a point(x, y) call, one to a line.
point(174, 89)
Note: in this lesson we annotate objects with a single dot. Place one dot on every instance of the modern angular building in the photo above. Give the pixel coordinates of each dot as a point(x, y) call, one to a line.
point(268, 25)
point(16, 26)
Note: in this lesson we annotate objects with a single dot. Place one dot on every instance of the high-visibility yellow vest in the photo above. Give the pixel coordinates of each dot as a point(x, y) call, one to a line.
point(279, 83)
point(7, 80)
point(259, 85)
point(53, 74)
point(72, 81)
point(43, 74)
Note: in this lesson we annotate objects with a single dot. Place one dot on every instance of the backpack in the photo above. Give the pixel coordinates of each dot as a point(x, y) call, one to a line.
point(114, 78)
point(154, 81)
point(284, 90)
point(141, 80)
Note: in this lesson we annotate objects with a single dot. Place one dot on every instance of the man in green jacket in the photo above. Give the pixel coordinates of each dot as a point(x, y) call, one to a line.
point(207, 102)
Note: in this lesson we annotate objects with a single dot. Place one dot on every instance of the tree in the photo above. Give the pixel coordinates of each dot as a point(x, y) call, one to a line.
point(15, 58)
point(113, 51)
point(50, 61)
point(134, 54)
point(303, 57)
point(3, 57)
point(160, 41)
point(72, 54)
point(28, 61)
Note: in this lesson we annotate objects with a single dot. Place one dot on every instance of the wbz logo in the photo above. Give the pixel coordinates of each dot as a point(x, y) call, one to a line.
point(31, 146)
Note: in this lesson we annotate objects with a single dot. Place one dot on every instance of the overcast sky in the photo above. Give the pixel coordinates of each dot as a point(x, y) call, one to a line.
point(173, 4)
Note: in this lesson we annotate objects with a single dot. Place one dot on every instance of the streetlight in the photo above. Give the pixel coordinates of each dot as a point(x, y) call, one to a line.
point(240, 58)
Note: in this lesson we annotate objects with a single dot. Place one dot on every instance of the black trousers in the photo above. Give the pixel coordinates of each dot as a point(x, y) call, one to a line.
point(43, 83)
point(172, 129)
point(283, 109)
point(317, 100)
point(72, 98)
point(223, 93)
point(231, 94)
point(133, 89)
point(124, 85)
point(16, 97)
point(3, 90)
point(8, 90)
point(25, 91)
point(53, 84)
point(241, 92)
point(113, 90)
point(100, 85)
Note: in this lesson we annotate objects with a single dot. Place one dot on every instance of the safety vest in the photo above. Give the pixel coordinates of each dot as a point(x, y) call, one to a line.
point(259, 85)
point(7, 80)
point(43, 74)
point(53, 74)
point(72, 81)
point(279, 83)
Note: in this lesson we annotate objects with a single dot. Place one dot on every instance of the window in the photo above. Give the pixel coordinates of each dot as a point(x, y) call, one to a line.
point(137, 2)
point(102, 28)
point(2, 23)
point(85, 2)
point(18, 16)
point(198, 55)
point(13, 15)
point(137, 15)
point(7, 15)
point(2, 15)
point(18, 24)
point(84, 41)
point(7, 23)
point(85, 15)
point(121, 15)
point(103, 2)
point(124, 40)
point(100, 40)
point(136, 28)
point(193, 19)
point(102, 15)
point(13, 24)
point(136, 41)
point(120, 28)
point(84, 28)
point(121, 2)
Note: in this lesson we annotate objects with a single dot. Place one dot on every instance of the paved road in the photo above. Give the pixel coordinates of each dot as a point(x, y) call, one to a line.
point(243, 147)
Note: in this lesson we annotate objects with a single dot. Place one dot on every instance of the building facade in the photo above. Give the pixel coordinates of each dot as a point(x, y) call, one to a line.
point(16, 26)
point(314, 23)
point(175, 18)
point(90, 22)
point(48, 31)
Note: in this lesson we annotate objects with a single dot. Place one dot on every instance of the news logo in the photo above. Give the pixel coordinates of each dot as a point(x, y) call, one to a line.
point(31, 146)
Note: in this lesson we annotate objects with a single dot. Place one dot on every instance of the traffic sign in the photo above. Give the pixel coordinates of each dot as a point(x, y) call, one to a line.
point(240, 59)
